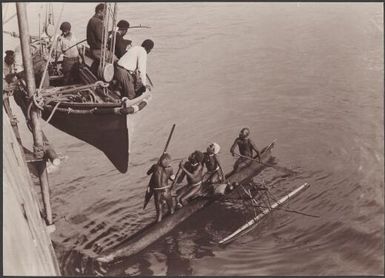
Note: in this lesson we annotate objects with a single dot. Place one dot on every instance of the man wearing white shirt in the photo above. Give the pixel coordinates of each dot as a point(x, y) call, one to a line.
point(71, 57)
point(131, 69)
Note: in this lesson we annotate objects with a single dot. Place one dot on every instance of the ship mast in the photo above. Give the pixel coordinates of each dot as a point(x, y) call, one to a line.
point(38, 146)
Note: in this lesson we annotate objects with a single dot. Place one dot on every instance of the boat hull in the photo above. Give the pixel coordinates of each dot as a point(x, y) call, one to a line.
point(154, 231)
point(107, 132)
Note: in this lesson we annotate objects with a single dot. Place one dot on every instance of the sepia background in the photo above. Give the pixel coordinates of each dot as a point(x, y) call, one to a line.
point(309, 75)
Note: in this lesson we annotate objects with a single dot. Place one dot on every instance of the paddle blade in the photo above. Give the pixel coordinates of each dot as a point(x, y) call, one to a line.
point(147, 197)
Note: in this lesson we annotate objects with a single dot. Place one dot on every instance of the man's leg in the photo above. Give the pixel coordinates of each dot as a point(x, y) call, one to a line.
point(192, 193)
point(158, 206)
point(126, 82)
point(168, 198)
point(66, 69)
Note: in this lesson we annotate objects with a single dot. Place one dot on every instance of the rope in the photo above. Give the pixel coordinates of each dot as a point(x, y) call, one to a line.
point(50, 52)
point(52, 113)
point(38, 101)
point(113, 33)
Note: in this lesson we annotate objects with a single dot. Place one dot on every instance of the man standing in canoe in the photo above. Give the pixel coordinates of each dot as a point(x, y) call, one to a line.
point(162, 172)
point(246, 147)
point(193, 171)
point(214, 172)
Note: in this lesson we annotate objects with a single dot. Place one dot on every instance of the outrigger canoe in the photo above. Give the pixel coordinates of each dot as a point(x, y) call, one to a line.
point(154, 231)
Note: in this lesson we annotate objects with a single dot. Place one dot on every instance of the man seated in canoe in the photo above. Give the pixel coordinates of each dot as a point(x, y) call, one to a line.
point(214, 172)
point(193, 171)
point(162, 172)
point(246, 147)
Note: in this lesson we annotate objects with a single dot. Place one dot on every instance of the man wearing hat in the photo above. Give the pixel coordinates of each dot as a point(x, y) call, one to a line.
point(66, 44)
point(214, 170)
point(246, 147)
point(121, 44)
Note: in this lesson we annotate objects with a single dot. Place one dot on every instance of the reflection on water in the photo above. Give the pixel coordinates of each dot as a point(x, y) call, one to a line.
point(309, 75)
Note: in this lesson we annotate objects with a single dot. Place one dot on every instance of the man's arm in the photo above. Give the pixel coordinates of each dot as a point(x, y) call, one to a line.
point(220, 168)
point(142, 65)
point(181, 177)
point(185, 170)
point(151, 170)
point(171, 174)
point(255, 149)
point(98, 30)
point(233, 146)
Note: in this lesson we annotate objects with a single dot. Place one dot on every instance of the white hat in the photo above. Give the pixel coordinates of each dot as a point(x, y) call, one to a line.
point(214, 147)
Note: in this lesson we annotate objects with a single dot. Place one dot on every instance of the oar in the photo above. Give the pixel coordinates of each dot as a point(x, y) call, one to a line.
point(74, 45)
point(149, 80)
point(138, 26)
point(268, 165)
point(149, 191)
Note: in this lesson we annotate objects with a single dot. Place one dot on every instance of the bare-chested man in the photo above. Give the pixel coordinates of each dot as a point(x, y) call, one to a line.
point(246, 147)
point(161, 174)
point(214, 172)
point(193, 171)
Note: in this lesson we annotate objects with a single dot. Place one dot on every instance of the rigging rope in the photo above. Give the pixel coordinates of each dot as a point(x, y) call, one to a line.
point(50, 52)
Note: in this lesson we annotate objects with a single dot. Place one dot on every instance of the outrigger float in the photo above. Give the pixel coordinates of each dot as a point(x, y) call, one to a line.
point(151, 233)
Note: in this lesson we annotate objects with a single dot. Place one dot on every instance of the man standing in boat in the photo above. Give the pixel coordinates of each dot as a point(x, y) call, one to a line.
point(71, 57)
point(162, 172)
point(9, 71)
point(95, 36)
point(246, 147)
point(121, 44)
point(131, 71)
point(214, 172)
point(193, 171)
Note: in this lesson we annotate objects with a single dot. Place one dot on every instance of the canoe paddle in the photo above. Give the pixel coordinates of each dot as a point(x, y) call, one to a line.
point(282, 169)
point(149, 191)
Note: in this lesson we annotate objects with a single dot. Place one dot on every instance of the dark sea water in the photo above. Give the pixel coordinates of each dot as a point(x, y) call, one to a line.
point(308, 75)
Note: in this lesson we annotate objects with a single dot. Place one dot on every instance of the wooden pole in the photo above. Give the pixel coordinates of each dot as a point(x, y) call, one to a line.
point(38, 147)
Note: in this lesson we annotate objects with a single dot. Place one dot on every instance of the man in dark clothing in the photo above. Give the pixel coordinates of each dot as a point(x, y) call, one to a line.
point(95, 36)
point(246, 147)
point(121, 44)
point(95, 29)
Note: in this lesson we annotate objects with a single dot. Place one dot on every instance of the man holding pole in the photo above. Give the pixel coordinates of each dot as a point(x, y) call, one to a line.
point(162, 173)
point(150, 191)
point(246, 147)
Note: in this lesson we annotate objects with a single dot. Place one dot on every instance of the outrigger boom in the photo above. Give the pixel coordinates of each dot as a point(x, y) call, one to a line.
point(253, 222)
